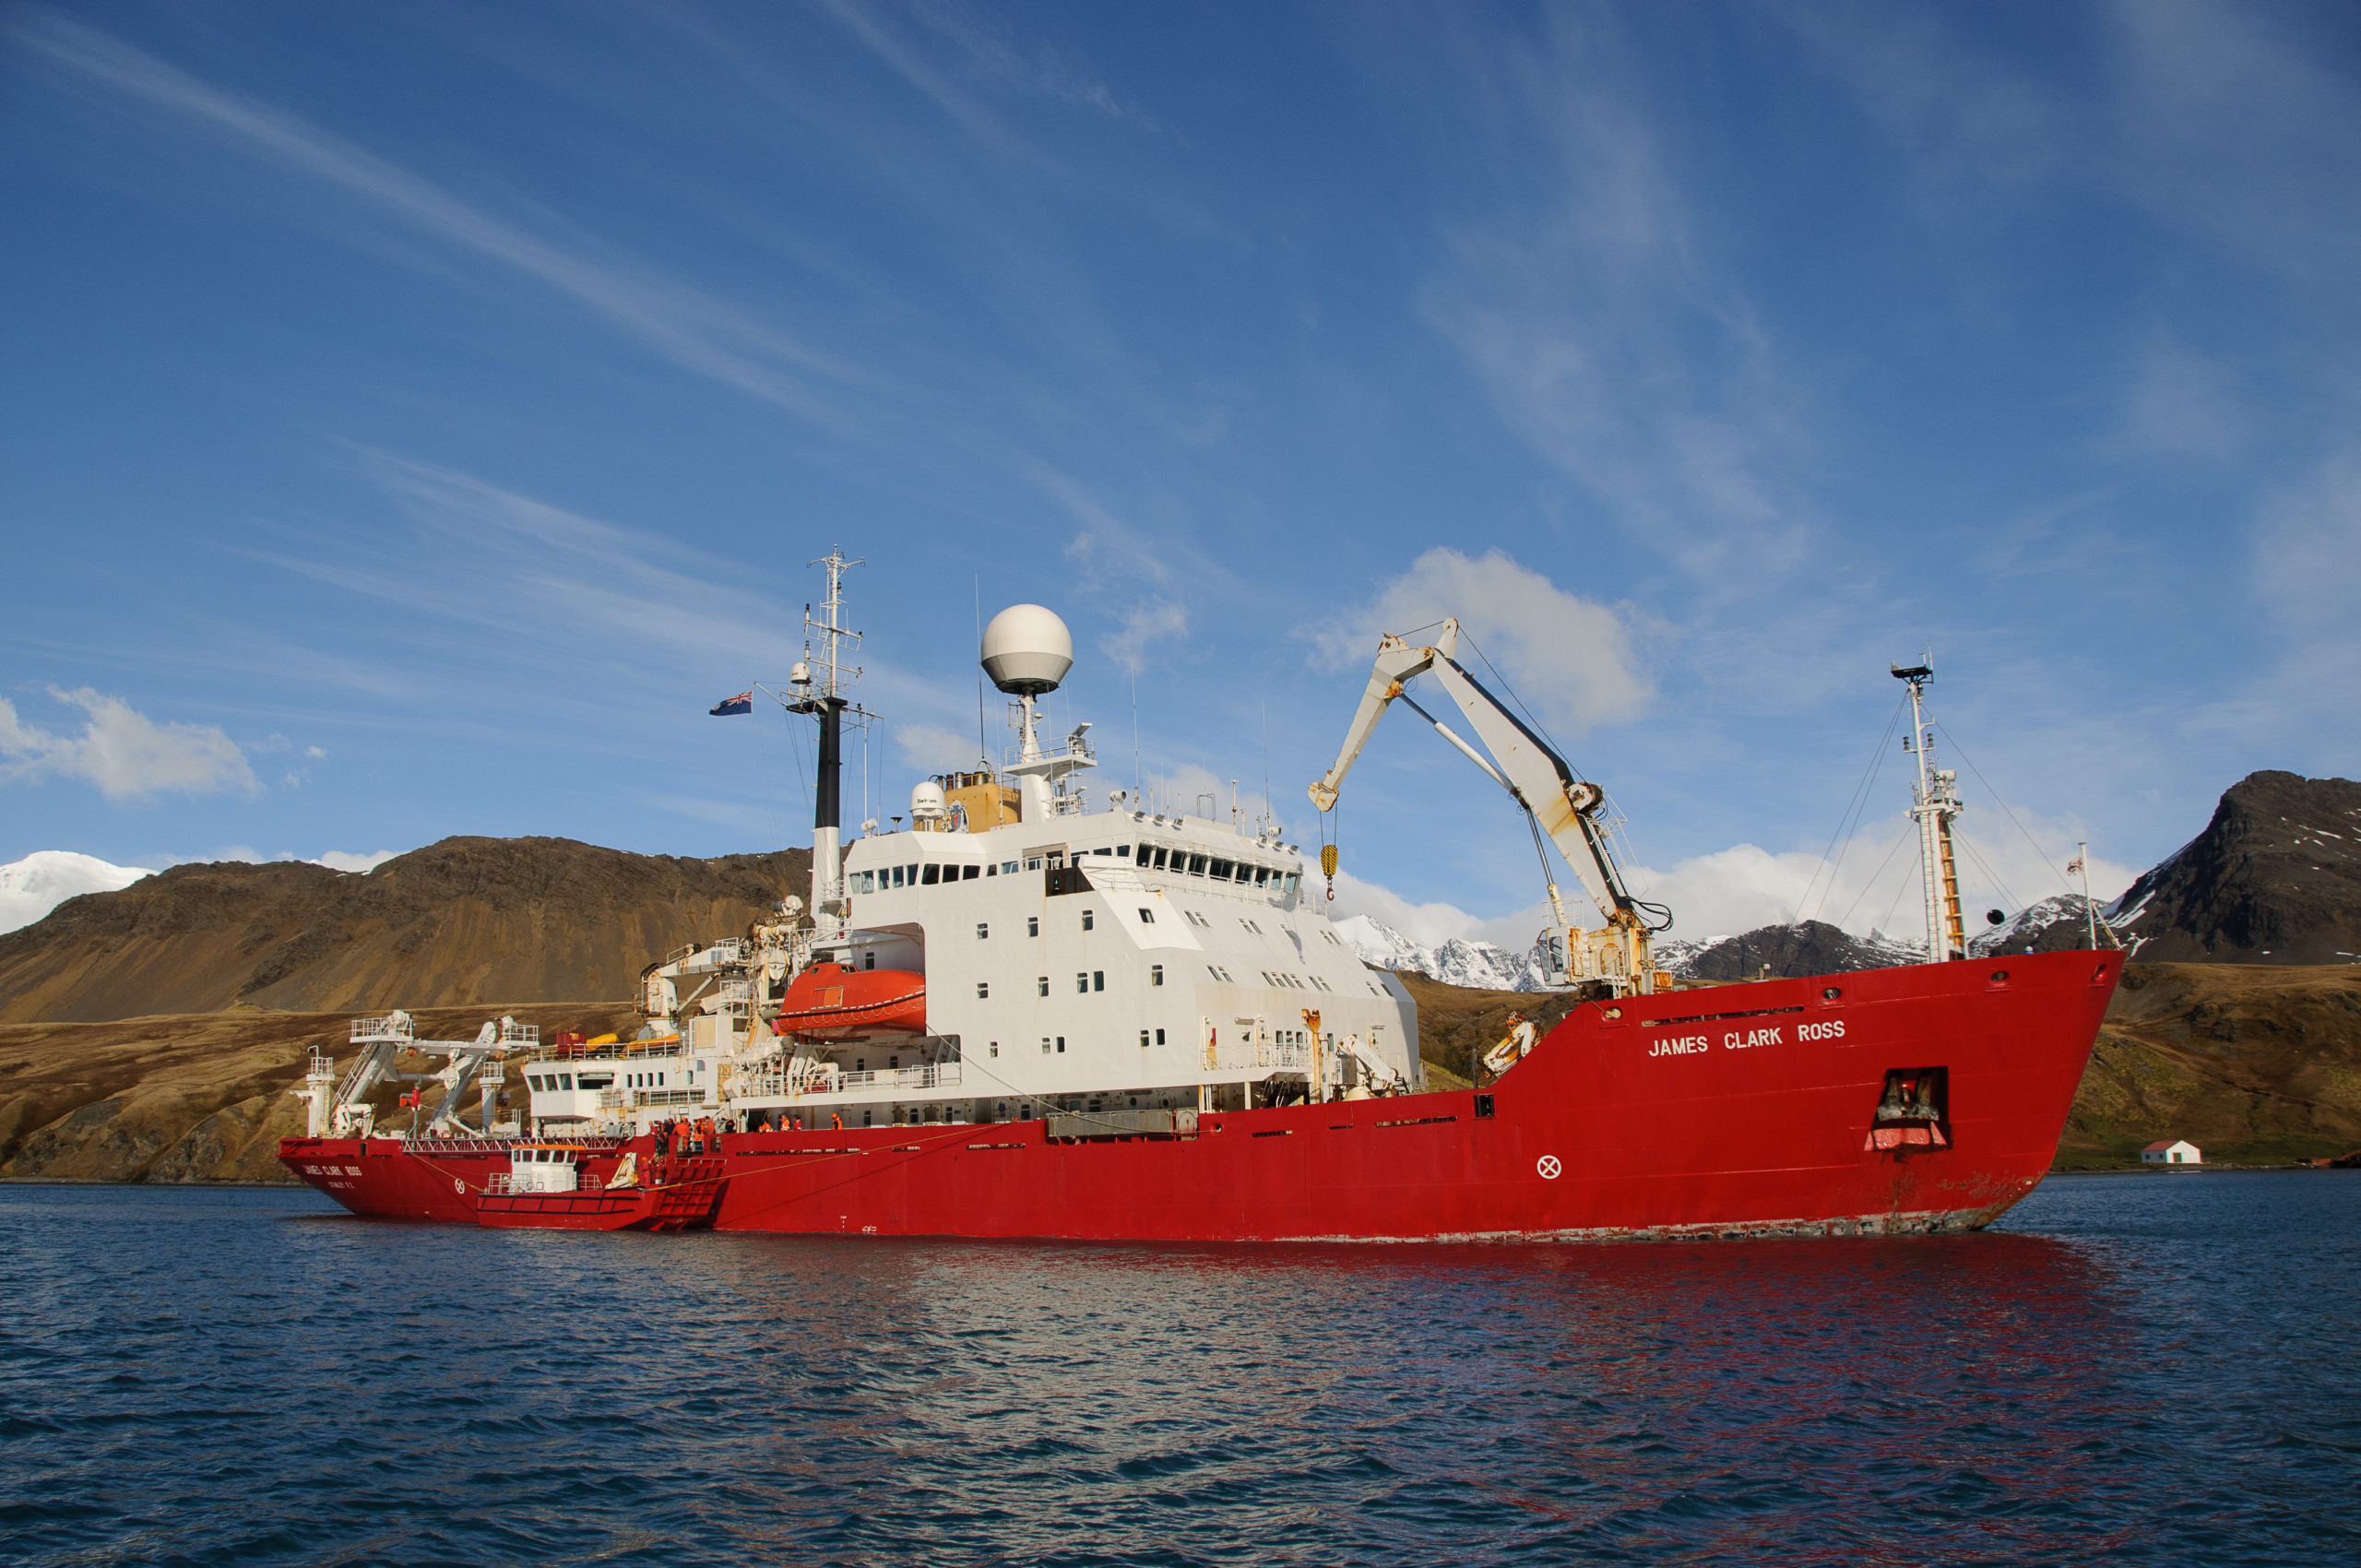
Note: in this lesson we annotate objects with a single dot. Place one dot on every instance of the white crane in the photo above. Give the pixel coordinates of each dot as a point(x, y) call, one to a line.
point(1564, 807)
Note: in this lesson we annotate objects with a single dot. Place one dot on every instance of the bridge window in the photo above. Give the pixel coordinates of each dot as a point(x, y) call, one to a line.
point(983, 991)
point(1142, 1039)
point(984, 930)
point(929, 874)
point(1061, 1045)
point(1045, 985)
point(1160, 1036)
point(1085, 920)
point(1156, 974)
point(1098, 979)
point(1139, 858)
point(1160, 857)
point(1196, 865)
point(995, 1048)
point(1033, 928)
point(969, 874)
point(1045, 1045)
point(1219, 870)
point(1082, 982)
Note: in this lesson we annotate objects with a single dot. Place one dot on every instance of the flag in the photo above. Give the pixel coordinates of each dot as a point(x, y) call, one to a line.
point(2074, 866)
point(742, 703)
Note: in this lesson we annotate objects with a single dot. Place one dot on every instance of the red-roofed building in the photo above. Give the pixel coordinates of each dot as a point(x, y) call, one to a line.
point(2178, 1151)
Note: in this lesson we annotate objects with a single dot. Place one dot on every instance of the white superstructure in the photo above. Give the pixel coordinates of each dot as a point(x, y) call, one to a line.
point(1073, 960)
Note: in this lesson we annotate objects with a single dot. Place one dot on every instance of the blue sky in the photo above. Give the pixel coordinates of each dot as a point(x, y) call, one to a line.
point(412, 418)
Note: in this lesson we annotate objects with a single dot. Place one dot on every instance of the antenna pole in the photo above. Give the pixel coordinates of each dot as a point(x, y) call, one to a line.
point(2090, 911)
point(1935, 803)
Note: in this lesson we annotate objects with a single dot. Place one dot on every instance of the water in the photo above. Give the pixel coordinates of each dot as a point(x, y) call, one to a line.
point(2137, 1368)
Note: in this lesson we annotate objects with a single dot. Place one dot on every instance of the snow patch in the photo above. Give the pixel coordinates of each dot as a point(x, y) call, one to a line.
point(30, 888)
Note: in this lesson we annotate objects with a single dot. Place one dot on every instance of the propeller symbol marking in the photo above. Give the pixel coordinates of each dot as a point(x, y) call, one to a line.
point(1548, 1166)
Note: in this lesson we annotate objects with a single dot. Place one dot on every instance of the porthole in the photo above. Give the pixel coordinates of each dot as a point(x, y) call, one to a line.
point(1831, 992)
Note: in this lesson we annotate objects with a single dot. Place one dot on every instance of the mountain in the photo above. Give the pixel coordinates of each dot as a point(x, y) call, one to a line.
point(2054, 924)
point(464, 921)
point(2275, 878)
point(1471, 966)
point(1809, 948)
point(30, 888)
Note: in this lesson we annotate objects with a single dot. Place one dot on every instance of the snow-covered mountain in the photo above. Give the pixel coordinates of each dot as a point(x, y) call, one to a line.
point(1479, 966)
point(30, 888)
point(2044, 926)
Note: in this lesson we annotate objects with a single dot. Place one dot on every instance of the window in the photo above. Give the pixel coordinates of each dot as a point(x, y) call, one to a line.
point(1008, 868)
point(984, 930)
point(983, 991)
point(1045, 1045)
point(1142, 1039)
point(865, 881)
point(929, 874)
point(1262, 876)
point(1082, 983)
point(991, 871)
point(1156, 974)
point(869, 960)
point(1147, 917)
point(1159, 859)
point(1033, 862)
point(1098, 979)
point(1196, 865)
point(1376, 989)
point(1139, 858)
point(1032, 925)
point(1086, 919)
point(1320, 983)
point(1061, 1045)
point(914, 875)
point(1219, 870)
point(1220, 974)
point(1250, 926)
point(995, 1049)
point(1160, 1036)
point(897, 875)
point(1195, 919)
point(1122, 852)
point(968, 873)
point(1331, 937)
point(565, 1080)
point(1045, 985)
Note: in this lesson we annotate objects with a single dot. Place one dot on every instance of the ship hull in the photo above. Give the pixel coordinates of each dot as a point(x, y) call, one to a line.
point(1736, 1111)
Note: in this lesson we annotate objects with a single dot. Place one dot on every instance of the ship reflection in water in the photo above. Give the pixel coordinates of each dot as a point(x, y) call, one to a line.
point(234, 1375)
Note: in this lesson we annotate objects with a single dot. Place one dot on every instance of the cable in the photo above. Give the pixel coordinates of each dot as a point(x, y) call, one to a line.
point(2064, 884)
point(1855, 812)
point(1872, 883)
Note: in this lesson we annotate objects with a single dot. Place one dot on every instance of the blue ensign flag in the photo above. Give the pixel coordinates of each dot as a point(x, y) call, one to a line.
point(742, 703)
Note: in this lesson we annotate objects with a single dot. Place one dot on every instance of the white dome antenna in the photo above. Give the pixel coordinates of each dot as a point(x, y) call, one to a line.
point(1028, 650)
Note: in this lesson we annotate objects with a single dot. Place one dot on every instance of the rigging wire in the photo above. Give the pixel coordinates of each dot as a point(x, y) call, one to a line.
point(1856, 811)
point(1983, 865)
point(2065, 885)
point(1894, 849)
point(1904, 887)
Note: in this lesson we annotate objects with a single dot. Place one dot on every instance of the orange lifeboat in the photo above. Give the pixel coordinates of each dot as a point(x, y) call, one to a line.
point(832, 1001)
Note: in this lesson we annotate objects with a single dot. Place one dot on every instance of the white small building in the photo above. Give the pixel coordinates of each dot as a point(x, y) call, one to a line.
point(2179, 1151)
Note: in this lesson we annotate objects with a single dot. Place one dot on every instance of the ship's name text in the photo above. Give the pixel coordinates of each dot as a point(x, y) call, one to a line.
point(1746, 1039)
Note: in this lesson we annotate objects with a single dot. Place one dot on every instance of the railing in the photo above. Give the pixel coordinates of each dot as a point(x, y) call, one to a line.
point(666, 1097)
point(936, 1076)
point(520, 1036)
point(1242, 1054)
point(385, 1026)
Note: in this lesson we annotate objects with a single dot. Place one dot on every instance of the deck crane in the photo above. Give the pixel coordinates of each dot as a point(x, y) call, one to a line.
point(1566, 808)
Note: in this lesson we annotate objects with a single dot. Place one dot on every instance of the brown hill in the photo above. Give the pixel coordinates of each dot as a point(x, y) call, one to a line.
point(2275, 878)
point(464, 921)
point(2254, 1064)
point(196, 1097)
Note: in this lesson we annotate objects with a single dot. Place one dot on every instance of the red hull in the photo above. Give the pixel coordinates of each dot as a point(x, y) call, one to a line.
point(1736, 1110)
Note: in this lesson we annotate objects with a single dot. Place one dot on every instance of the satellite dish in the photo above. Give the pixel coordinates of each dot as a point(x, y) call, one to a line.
point(1028, 650)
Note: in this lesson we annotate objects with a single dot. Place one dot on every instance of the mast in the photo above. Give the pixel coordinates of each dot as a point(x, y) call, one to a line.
point(823, 680)
point(1935, 804)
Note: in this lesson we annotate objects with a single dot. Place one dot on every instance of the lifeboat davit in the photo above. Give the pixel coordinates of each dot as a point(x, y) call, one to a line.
point(832, 1001)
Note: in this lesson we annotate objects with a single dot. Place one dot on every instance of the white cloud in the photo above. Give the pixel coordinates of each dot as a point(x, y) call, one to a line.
point(128, 755)
point(1569, 658)
point(1145, 624)
point(339, 860)
point(30, 888)
point(2179, 404)
point(929, 748)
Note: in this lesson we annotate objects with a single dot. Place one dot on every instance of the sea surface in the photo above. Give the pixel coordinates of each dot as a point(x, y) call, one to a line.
point(2145, 1367)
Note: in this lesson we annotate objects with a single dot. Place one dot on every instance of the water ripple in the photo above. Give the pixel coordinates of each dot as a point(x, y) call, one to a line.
point(2137, 1369)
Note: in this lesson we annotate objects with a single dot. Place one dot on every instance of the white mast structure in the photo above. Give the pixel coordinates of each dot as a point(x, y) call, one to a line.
point(821, 684)
point(1935, 804)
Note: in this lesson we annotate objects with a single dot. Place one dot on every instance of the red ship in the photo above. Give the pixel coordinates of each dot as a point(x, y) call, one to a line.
point(875, 1071)
point(1878, 1102)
